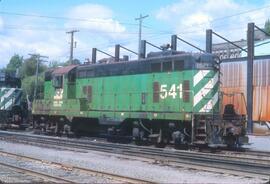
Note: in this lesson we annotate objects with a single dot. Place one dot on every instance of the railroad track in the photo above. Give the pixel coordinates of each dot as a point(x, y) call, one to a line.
point(43, 176)
point(238, 165)
point(70, 169)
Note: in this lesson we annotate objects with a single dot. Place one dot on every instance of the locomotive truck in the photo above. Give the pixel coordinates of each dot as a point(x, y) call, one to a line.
point(169, 97)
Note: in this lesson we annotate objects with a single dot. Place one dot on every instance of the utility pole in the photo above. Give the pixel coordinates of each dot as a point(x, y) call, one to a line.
point(71, 44)
point(250, 63)
point(140, 19)
point(37, 57)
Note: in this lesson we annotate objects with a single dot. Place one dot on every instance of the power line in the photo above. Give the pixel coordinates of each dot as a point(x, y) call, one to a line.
point(154, 36)
point(216, 19)
point(48, 29)
point(61, 18)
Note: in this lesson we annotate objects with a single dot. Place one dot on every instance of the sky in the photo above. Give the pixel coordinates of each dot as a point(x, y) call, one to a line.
point(31, 26)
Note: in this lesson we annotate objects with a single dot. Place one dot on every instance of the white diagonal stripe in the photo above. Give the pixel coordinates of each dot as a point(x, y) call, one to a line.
point(7, 94)
point(209, 106)
point(7, 105)
point(205, 90)
point(199, 76)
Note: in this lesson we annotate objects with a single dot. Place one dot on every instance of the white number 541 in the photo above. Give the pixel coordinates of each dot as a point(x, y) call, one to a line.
point(164, 93)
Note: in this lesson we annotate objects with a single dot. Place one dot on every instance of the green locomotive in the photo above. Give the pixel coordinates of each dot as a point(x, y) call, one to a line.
point(168, 97)
point(13, 110)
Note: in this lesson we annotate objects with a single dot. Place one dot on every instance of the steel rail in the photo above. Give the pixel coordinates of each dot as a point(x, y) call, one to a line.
point(36, 173)
point(112, 176)
point(108, 146)
point(245, 165)
point(243, 151)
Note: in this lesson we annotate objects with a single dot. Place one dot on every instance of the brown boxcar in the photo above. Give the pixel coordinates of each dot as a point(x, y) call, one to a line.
point(234, 79)
point(234, 82)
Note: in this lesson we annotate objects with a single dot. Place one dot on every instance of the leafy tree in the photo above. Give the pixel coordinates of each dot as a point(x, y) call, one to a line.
point(55, 64)
point(267, 26)
point(75, 61)
point(15, 63)
point(28, 75)
point(28, 86)
point(29, 67)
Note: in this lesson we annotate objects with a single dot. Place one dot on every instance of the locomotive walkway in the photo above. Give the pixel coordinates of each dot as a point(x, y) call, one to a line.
point(243, 164)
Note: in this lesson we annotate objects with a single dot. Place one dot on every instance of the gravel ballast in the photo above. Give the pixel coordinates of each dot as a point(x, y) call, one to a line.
point(137, 168)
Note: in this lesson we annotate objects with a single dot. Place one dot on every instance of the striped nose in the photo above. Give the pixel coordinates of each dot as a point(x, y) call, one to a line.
point(205, 83)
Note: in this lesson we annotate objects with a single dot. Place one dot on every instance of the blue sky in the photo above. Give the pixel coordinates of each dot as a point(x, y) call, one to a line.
point(106, 23)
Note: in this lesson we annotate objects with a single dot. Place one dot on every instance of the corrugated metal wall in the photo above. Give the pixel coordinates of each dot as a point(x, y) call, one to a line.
point(233, 81)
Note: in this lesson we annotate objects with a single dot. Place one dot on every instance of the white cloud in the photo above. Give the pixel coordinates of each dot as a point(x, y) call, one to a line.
point(1, 23)
point(88, 11)
point(197, 18)
point(191, 18)
point(102, 30)
point(100, 20)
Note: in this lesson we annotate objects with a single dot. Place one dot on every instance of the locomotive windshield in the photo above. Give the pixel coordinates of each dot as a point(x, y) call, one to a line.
point(205, 61)
point(58, 81)
point(8, 79)
point(2, 77)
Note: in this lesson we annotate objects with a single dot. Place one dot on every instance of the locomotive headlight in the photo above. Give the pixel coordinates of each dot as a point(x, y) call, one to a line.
point(187, 116)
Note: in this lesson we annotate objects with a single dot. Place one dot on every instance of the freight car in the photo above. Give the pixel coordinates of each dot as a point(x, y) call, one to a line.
point(13, 111)
point(234, 82)
point(170, 97)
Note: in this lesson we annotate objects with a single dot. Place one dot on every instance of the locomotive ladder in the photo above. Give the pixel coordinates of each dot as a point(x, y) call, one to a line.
point(200, 131)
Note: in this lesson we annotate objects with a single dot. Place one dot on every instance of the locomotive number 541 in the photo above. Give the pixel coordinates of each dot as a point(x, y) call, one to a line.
point(170, 91)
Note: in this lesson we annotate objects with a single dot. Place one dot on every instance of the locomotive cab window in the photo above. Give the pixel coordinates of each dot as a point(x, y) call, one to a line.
point(48, 76)
point(2, 77)
point(71, 77)
point(58, 81)
point(204, 63)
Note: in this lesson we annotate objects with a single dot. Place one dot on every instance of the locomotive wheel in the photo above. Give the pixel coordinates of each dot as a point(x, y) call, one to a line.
point(181, 146)
point(231, 141)
point(138, 142)
point(160, 144)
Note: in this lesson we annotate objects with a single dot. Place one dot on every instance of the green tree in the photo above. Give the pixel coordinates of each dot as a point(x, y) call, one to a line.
point(28, 86)
point(55, 64)
point(28, 75)
point(29, 67)
point(15, 63)
point(267, 26)
point(75, 62)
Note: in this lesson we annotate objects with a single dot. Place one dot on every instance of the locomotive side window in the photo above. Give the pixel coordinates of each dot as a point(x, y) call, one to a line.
point(90, 73)
point(82, 74)
point(179, 65)
point(156, 67)
point(58, 81)
point(167, 66)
